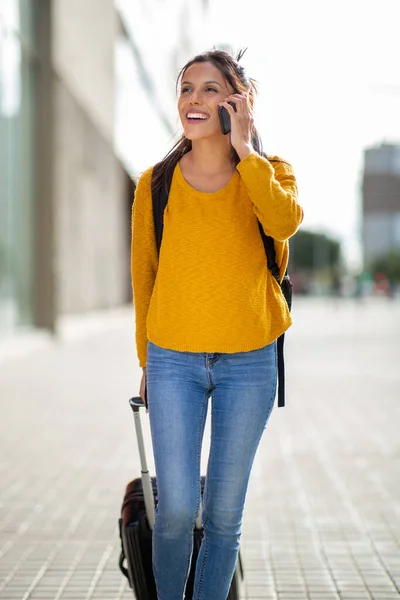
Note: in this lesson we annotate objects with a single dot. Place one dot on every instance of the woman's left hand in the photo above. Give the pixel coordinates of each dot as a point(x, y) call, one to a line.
point(241, 123)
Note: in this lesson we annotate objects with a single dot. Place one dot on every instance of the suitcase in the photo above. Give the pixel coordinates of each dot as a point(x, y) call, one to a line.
point(136, 524)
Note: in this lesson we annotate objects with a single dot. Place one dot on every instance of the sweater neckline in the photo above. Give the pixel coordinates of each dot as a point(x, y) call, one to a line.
point(221, 192)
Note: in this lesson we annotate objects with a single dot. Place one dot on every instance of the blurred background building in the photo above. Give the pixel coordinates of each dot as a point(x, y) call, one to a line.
point(381, 217)
point(86, 103)
point(381, 200)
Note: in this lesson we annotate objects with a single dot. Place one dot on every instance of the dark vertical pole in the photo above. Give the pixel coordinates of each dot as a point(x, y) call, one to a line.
point(44, 292)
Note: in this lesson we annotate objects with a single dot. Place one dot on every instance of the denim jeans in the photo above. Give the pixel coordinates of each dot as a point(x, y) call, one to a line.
point(242, 386)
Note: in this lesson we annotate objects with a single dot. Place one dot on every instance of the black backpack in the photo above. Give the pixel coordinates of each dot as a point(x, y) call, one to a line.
point(160, 198)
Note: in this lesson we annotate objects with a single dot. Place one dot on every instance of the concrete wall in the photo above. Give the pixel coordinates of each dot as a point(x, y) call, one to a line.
point(90, 204)
point(83, 39)
point(90, 213)
point(381, 192)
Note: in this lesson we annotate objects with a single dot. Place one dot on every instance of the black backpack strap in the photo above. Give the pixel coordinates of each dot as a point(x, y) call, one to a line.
point(270, 252)
point(281, 370)
point(159, 193)
point(286, 288)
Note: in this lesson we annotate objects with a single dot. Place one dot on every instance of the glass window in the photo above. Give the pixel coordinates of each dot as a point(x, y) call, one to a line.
point(16, 164)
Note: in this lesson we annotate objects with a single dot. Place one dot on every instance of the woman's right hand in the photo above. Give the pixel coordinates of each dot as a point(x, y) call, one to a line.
point(143, 385)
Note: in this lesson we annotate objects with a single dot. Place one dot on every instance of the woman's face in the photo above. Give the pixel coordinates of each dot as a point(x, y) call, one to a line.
point(202, 88)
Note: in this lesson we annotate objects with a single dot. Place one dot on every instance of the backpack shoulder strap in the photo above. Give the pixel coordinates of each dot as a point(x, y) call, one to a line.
point(159, 193)
point(286, 288)
point(270, 252)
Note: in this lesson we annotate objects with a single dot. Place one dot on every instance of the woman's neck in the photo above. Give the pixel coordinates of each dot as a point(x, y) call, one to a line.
point(209, 157)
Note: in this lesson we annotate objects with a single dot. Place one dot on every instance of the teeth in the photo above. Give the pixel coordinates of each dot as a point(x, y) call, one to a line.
point(197, 116)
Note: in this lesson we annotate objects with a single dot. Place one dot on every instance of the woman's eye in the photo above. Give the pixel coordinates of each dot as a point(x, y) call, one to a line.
point(185, 90)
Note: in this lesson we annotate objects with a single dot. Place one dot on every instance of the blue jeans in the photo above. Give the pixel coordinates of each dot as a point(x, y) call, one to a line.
point(179, 384)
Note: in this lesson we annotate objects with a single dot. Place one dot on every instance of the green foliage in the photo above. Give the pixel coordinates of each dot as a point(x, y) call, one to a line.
point(312, 251)
point(389, 264)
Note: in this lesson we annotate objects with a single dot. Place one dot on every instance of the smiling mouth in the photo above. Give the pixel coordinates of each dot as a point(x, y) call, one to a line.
point(195, 117)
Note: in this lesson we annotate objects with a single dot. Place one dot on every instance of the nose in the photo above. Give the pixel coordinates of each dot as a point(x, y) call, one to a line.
point(194, 97)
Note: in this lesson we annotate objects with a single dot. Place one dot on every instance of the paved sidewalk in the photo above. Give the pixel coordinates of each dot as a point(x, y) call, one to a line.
point(322, 516)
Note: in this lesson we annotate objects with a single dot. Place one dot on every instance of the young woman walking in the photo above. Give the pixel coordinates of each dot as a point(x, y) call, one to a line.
point(208, 313)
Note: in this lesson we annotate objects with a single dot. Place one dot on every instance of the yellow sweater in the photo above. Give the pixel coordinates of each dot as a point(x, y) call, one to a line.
point(211, 290)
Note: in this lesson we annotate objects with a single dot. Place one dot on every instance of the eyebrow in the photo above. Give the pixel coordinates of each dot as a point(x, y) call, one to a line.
point(206, 82)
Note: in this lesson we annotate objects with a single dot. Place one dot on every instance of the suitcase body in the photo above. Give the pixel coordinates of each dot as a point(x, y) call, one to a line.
point(135, 525)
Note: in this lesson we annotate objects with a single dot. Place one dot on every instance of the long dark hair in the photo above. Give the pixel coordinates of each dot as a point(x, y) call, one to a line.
point(236, 76)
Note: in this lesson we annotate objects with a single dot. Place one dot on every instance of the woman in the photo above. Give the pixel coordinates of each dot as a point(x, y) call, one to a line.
point(208, 313)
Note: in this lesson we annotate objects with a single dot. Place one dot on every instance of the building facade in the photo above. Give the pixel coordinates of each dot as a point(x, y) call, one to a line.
point(381, 200)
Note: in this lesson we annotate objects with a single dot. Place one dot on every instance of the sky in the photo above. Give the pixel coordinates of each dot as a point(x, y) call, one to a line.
point(329, 77)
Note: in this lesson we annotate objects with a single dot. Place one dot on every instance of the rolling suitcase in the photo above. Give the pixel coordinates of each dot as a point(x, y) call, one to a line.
point(136, 524)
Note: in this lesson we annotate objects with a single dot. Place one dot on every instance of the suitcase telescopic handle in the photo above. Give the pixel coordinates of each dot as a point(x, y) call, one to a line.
point(136, 403)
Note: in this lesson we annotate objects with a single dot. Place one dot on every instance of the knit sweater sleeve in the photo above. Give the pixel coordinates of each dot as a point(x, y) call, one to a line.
point(272, 188)
point(144, 260)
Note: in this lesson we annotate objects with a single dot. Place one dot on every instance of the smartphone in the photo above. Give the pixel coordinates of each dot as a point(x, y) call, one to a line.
point(225, 118)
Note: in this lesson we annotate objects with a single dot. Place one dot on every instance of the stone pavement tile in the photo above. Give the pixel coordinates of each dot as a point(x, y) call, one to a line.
point(320, 589)
point(359, 596)
point(377, 583)
point(296, 597)
point(324, 596)
point(290, 596)
point(12, 594)
point(259, 575)
point(39, 592)
point(258, 592)
point(297, 591)
point(385, 593)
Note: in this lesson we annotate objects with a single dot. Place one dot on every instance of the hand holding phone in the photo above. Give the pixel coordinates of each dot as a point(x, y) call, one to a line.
point(225, 118)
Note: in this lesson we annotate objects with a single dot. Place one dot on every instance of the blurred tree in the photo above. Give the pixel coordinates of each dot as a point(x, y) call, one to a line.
point(389, 264)
point(312, 251)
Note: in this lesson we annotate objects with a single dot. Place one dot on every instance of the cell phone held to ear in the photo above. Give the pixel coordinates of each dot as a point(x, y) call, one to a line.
point(225, 118)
